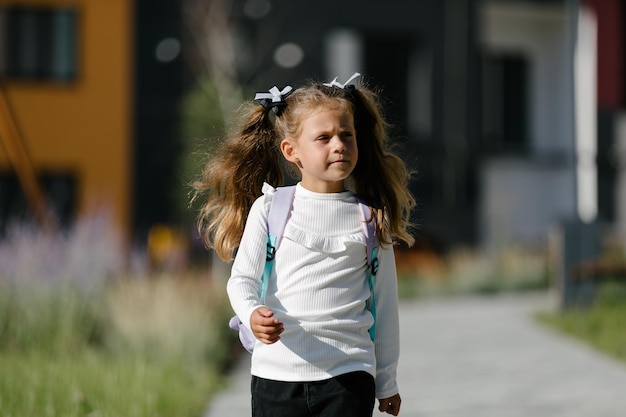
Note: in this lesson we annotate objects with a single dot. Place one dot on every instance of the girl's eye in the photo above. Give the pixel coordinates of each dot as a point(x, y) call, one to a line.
point(347, 135)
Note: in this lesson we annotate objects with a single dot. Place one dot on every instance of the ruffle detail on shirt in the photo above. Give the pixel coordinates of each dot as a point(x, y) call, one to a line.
point(323, 244)
point(318, 243)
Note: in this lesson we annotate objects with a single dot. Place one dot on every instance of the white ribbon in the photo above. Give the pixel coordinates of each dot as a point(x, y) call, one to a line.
point(335, 83)
point(275, 94)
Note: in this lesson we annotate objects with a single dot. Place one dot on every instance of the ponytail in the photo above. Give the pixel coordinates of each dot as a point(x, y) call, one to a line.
point(233, 179)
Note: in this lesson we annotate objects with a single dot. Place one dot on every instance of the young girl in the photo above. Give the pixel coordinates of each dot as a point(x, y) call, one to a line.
point(313, 355)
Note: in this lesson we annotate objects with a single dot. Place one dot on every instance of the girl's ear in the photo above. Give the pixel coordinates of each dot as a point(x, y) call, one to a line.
point(289, 151)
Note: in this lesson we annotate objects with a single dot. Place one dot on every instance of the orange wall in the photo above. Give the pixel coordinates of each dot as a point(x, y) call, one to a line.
point(85, 125)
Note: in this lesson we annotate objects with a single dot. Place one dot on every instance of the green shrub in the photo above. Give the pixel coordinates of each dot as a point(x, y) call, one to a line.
point(58, 318)
point(170, 320)
point(464, 271)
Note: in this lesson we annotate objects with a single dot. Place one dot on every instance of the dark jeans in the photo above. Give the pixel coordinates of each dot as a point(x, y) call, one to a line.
point(348, 395)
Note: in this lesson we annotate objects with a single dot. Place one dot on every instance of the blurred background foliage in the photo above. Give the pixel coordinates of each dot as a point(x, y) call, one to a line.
point(85, 332)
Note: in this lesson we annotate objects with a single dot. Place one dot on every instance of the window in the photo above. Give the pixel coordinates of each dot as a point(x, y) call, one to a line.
point(38, 43)
point(386, 63)
point(504, 102)
point(59, 189)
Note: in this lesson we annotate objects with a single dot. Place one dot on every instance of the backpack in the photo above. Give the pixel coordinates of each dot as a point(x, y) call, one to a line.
point(278, 215)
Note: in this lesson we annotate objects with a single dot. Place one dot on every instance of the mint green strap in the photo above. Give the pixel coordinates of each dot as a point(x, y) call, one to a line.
point(372, 300)
point(269, 264)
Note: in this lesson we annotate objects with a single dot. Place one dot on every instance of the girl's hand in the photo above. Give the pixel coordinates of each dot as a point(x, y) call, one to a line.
point(390, 405)
point(265, 326)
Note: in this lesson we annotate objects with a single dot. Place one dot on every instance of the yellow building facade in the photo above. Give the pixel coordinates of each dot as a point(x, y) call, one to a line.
point(76, 116)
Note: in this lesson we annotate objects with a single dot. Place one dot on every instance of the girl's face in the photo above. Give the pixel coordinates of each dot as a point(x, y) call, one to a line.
point(325, 151)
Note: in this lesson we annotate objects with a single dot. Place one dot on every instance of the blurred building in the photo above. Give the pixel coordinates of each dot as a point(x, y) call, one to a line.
point(67, 80)
point(551, 101)
point(91, 91)
point(509, 111)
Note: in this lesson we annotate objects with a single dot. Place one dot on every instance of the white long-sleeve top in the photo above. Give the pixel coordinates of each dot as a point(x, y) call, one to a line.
point(318, 289)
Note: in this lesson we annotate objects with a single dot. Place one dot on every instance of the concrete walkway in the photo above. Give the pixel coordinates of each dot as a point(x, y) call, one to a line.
point(483, 357)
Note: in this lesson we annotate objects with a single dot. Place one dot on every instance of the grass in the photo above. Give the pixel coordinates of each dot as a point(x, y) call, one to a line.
point(90, 383)
point(602, 324)
point(81, 336)
point(152, 347)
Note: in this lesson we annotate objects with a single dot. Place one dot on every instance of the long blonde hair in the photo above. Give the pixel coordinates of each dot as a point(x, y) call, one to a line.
point(233, 178)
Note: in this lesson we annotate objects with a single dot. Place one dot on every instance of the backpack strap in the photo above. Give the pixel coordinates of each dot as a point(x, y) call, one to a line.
point(280, 209)
point(371, 239)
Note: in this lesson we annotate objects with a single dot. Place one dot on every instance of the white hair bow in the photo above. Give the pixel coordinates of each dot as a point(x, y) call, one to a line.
point(335, 83)
point(275, 95)
point(275, 99)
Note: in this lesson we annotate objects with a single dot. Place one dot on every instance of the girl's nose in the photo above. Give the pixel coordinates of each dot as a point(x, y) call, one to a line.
point(338, 144)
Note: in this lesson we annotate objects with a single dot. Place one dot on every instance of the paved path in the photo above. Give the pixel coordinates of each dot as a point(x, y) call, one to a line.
point(484, 357)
